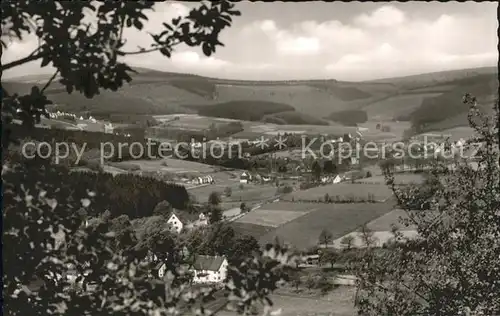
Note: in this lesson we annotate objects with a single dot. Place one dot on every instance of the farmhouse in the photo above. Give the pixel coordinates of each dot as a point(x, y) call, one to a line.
point(179, 221)
point(203, 180)
point(209, 269)
point(336, 179)
point(108, 128)
point(245, 177)
point(160, 269)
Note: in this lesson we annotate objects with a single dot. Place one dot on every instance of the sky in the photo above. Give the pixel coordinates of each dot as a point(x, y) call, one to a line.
point(352, 41)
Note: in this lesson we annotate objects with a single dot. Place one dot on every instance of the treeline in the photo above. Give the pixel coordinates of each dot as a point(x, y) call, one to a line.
point(201, 87)
point(349, 117)
point(294, 118)
point(123, 194)
point(242, 110)
point(142, 121)
point(91, 140)
point(447, 105)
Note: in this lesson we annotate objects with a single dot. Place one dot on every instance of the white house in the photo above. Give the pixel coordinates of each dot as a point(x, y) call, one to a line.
point(160, 269)
point(203, 180)
point(337, 179)
point(175, 223)
point(209, 269)
point(108, 128)
point(245, 177)
point(179, 221)
point(202, 220)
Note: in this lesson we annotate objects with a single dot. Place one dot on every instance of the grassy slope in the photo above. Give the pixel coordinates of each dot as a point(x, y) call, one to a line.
point(155, 92)
point(339, 219)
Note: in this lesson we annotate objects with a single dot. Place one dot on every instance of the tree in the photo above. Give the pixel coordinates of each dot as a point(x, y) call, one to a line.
point(83, 41)
point(329, 167)
point(347, 242)
point(328, 256)
point(367, 236)
point(215, 214)
point(452, 268)
point(243, 245)
point(296, 281)
point(325, 237)
point(214, 198)
point(163, 208)
point(243, 207)
point(316, 170)
point(228, 191)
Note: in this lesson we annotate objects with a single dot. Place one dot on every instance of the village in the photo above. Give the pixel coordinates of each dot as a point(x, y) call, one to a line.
point(287, 195)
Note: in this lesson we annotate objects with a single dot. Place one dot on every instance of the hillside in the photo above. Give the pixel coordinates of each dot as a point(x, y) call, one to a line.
point(155, 93)
point(241, 109)
point(293, 118)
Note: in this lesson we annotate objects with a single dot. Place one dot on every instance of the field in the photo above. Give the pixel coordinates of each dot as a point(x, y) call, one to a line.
point(339, 302)
point(174, 166)
point(343, 190)
point(339, 219)
point(396, 130)
point(250, 194)
point(306, 220)
point(400, 178)
point(384, 222)
point(272, 218)
point(397, 105)
point(455, 133)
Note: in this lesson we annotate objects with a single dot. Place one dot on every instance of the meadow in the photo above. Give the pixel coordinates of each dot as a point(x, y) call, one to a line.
point(355, 191)
point(399, 178)
point(339, 302)
point(339, 219)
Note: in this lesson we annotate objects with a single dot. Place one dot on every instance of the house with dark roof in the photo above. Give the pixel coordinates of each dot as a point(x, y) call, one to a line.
point(209, 269)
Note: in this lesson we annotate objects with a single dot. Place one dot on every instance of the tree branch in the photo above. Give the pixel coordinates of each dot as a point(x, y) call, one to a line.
point(138, 52)
point(50, 81)
point(31, 57)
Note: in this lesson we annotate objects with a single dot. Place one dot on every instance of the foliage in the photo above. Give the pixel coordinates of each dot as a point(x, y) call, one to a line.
point(329, 167)
point(214, 214)
point(244, 208)
point(328, 256)
point(452, 267)
point(325, 237)
point(214, 198)
point(292, 118)
point(316, 170)
point(349, 117)
point(42, 203)
point(109, 280)
point(163, 208)
point(220, 239)
point(126, 194)
point(347, 242)
point(228, 191)
point(437, 109)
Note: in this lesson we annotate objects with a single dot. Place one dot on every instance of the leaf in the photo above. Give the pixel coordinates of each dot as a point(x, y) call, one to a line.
point(45, 61)
point(165, 51)
point(138, 24)
point(206, 49)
